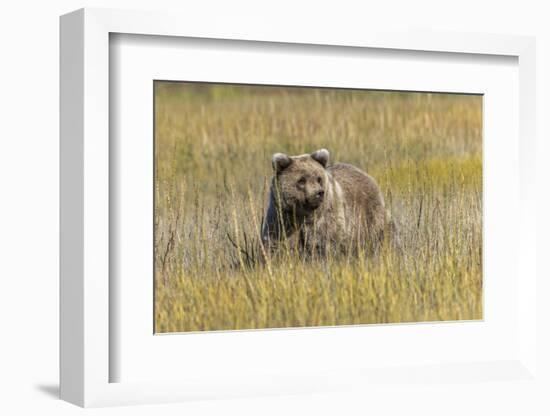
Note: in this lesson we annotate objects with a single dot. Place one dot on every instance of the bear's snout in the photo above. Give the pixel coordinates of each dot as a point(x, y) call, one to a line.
point(316, 199)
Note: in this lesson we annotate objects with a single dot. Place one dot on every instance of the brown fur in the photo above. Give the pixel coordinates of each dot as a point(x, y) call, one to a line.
point(328, 207)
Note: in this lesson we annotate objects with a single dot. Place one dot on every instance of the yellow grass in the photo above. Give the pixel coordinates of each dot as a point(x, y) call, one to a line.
point(213, 149)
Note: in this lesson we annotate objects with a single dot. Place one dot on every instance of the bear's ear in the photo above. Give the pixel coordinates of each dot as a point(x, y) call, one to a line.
point(280, 162)
point(321, 156)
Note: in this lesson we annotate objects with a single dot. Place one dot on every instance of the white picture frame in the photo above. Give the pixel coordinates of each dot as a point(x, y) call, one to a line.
point(86, 356)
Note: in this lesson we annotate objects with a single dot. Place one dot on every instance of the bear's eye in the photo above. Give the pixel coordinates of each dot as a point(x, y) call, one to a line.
point(302, 181)
point(319, 180)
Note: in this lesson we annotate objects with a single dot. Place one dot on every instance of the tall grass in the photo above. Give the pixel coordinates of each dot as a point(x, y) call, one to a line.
point(213, 145)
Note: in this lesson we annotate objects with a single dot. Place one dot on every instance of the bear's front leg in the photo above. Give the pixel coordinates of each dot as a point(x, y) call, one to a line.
point(276, 228)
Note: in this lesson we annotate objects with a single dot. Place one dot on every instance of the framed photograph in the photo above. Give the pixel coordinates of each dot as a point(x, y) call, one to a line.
point(271, 212)
point(306, 241)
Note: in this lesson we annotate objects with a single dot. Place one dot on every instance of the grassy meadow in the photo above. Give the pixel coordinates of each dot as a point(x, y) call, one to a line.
point(213, 147)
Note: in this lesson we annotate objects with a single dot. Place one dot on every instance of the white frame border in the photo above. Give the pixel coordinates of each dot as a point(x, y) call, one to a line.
point(84, 183)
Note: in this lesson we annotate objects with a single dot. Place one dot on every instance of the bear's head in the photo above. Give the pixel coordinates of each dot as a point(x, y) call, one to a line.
point(301, 181)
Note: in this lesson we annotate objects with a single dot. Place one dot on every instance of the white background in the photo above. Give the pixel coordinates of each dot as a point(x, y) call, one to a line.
point(29, 204)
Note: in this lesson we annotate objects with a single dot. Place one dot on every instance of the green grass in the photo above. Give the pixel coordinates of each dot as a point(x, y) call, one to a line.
point(213, 150)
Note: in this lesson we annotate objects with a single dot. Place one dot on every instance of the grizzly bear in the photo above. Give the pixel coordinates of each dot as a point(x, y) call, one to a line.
point(327, 208)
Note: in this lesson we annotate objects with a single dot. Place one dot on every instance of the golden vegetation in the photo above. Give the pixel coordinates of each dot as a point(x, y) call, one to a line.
point(213, 146)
